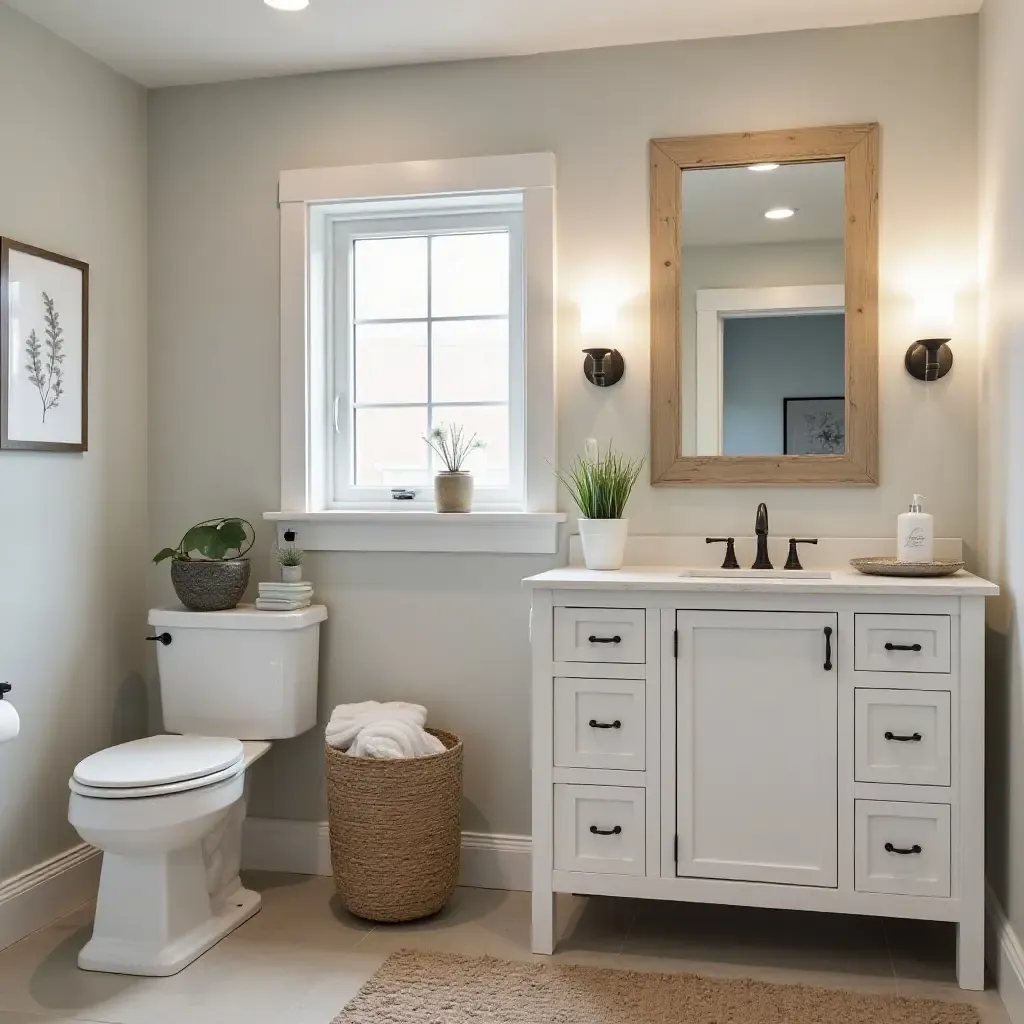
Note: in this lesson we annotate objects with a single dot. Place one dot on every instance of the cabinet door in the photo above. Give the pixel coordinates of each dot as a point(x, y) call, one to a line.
point(757, 706)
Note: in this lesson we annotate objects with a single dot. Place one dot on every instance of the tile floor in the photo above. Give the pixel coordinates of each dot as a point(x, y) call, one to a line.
point(301, 959)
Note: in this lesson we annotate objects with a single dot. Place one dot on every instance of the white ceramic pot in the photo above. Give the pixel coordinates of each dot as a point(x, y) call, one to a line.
point(604, 542)
point(291, 573)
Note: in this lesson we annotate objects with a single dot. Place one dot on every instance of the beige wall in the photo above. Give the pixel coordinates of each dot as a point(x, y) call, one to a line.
point(72, 596)
point(451, 631)
point(1002, 438)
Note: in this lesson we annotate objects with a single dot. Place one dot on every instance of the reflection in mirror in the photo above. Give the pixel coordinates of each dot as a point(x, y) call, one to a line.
point(763, 310)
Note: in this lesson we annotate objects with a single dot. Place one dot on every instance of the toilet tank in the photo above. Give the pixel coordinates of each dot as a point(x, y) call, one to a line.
point(243, 673)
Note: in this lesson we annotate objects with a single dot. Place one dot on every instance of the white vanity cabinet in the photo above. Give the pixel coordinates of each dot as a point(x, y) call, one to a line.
point(794, 743)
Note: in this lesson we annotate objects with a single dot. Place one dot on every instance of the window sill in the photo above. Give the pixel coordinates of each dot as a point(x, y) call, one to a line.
point(392, 530)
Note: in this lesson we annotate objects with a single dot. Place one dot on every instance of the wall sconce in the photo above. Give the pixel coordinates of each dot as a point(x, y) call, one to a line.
point(603, 367)
point(930, 357)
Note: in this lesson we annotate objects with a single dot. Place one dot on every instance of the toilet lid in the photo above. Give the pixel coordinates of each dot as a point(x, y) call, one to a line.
point(158, 761)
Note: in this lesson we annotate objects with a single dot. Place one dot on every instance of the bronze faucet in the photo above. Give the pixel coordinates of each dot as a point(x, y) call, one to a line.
point(762, 561)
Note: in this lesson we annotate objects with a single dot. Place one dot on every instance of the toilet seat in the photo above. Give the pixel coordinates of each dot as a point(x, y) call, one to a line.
point(158, 766)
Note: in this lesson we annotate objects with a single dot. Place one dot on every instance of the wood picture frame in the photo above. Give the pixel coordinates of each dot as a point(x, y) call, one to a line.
point(44, 363)
point(858, 146)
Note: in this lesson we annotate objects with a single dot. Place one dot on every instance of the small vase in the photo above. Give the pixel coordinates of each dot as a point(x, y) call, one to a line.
point(291, 573)
point(604, 542)
point(453, 492)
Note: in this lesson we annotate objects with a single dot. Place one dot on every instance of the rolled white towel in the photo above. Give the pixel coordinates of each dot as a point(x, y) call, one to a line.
point(395, 739)
point(348, 719)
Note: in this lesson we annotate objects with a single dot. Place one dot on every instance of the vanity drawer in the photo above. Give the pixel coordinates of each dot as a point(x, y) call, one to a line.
point(901, 643)
point(902, 848)
point(600, 723)
point(902, 736)
point(600, 829)
point(601, 634)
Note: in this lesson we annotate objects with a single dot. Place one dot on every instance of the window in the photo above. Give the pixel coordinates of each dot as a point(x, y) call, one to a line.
point(426, 331)
point(418, 295)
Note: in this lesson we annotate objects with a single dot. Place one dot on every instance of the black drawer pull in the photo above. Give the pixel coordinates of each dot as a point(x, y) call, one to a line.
point(889, 848)
point(605, 639)
point(606, 832)
point(828, 648)
point(915, 738)
point(595, 724)
point(903, 647)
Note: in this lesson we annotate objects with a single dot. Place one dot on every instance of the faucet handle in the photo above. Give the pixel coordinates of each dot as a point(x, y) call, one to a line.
point(730, 550)
point(793, 561)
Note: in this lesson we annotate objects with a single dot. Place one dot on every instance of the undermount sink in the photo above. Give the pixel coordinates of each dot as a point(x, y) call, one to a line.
point(748, 574)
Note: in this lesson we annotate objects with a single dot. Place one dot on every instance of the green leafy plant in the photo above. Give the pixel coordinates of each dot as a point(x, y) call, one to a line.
point(601, 484)
point(215, 540)
point(291, 556)
point(452, 447)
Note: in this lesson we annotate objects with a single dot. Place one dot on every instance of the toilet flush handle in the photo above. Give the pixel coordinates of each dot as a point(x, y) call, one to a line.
point(161, 638)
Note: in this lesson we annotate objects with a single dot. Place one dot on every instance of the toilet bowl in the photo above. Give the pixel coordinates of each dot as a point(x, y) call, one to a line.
point(168, 818)
point(167, 811)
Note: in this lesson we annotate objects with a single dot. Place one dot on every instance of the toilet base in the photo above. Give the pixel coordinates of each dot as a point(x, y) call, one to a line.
point(118, 956)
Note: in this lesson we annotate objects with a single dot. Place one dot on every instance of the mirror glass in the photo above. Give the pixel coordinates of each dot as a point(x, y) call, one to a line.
point(763, 310)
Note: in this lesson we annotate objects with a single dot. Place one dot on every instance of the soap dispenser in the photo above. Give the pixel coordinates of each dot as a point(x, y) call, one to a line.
point(915, 533)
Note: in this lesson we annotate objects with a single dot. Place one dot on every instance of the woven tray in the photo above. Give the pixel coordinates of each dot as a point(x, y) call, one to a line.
point(894, 567)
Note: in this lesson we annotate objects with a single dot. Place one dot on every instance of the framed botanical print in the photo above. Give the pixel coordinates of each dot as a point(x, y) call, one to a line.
point(814, 426)
point(44, 350)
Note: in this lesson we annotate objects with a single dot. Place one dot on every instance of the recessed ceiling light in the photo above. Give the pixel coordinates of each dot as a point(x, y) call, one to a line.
point(287, 5)
point(779, 213)
point(763, 167)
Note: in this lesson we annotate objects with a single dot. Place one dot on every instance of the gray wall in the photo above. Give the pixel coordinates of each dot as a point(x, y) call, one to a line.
point(451, 631)
point(1002, 439)
point(766, 359)
point(73, 598)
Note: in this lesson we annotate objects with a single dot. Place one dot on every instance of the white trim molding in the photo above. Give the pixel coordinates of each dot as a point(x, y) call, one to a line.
point(714, 307)
point(1005, 957)
point(305, 201)
point(488, 861)
point(35, 897)
point(369, 530)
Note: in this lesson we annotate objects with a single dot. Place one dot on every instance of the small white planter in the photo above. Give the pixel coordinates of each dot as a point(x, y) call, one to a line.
point(291, 573)
point(604, 542)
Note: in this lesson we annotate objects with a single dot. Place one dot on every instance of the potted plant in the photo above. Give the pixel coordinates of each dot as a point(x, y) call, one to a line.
point(601, 485)
point(209, 569)
point(453, 486)
point(291, 559)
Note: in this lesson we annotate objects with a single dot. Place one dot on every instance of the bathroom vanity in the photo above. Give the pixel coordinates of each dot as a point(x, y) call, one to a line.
point(795, 742)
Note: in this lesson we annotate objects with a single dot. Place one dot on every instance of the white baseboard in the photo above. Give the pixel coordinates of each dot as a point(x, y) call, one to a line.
point(1005, 957)
point(488, 861)
point(41, 894)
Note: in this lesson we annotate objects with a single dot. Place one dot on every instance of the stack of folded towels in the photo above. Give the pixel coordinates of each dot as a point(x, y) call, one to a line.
point(389, 731)
point(284, 597)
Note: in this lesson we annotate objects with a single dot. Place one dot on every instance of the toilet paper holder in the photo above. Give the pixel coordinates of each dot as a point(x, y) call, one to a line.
point(5, 688)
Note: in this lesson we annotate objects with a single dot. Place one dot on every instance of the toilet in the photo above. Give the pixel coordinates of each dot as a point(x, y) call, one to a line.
point(167, 812)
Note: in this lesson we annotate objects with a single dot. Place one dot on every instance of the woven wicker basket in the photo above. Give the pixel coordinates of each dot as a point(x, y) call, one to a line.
point(395, 831)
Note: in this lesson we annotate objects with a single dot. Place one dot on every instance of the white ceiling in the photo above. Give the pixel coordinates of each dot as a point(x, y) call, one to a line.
point(178, 42)
point(726, 205)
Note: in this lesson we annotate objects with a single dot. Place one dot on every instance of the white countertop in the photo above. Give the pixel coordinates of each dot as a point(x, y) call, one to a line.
point(843, 581)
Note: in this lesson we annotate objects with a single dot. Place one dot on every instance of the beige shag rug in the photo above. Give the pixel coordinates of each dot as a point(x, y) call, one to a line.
point(429, 988)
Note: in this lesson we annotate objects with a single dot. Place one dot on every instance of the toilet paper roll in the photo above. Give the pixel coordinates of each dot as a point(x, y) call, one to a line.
point(10, 723)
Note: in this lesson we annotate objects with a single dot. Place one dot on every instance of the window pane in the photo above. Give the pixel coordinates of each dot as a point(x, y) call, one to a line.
point(391, 363)
point(390, 450)
point(490, 423)
point(390, 278)
point(470, 361)
point(469, 274)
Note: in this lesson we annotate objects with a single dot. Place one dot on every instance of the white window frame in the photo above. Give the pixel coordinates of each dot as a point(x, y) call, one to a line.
point(305, 199)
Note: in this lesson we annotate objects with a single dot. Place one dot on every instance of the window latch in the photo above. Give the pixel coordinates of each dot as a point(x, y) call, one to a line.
point(402, 494)
point(337, 408)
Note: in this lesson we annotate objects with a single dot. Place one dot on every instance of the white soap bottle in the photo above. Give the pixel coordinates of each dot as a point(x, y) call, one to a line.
point(915, 533)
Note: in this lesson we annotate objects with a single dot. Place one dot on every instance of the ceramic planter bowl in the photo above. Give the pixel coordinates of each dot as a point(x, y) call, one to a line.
point(291, 573)
point(453, 492)
point(210, 586)
point(604, 542)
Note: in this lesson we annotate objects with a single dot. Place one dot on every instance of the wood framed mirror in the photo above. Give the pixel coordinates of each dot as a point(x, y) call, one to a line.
point(764, 307)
